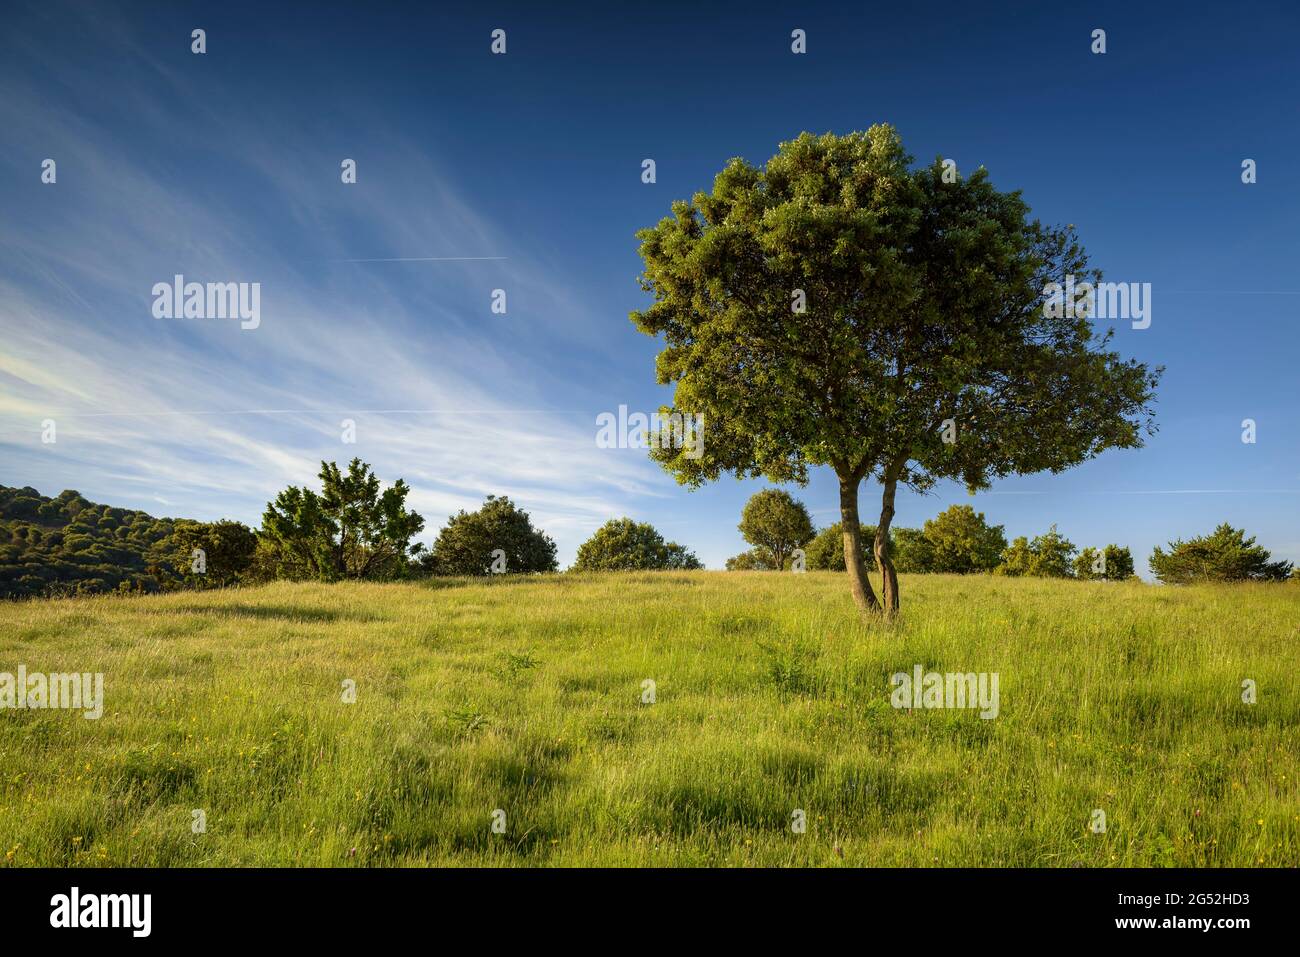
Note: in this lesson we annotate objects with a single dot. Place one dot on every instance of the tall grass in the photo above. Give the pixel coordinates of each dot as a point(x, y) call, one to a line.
point(771, 695)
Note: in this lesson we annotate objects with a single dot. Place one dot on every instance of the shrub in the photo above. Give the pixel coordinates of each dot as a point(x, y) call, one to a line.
point(466, 544)
point(1048, 556)
point(959, 540)
point(826, 551)
point(1226, 555)
point(624, 545)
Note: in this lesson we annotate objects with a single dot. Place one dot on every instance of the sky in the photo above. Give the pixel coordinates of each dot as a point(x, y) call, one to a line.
point(522, 172)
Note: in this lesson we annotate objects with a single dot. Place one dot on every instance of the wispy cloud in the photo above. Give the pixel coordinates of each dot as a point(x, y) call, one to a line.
point(208, 418)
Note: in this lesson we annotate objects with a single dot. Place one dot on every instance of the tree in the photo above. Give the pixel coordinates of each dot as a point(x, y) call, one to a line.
point(1112, 563)
point(1017, 560)
point(836, 307)
point(1227, 555)
point(1118, 563)
point(776, 522)
point(826, 551)
point(350, 530)
point(962, 542)
point(912, 551)
point(1053, 555)
point(1050, 555)
point(500, 534)
point(209, 554)
point(679, 558)
point(624, 545)
point(1089, 565)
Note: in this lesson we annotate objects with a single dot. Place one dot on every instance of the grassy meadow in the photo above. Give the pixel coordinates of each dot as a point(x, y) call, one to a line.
point(771, 695)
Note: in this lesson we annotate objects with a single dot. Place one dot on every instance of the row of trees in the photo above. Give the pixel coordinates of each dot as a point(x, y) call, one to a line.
point(960, 541)
point(355, 529)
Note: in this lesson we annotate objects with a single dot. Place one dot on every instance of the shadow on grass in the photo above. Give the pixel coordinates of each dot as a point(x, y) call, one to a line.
point(567, 579)
point(268, 613)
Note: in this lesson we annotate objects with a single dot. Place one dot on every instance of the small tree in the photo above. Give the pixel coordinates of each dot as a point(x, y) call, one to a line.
point(962, 542)
point(776, 522)
point(1119, 563)
point(500, 536)
point(1048, 556)
point(1227, 555)
point(624, 545)
point(681, 559)
point(836, 307)
point(351, 529)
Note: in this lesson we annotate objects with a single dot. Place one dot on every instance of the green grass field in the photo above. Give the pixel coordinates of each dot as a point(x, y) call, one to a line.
point(771, 696)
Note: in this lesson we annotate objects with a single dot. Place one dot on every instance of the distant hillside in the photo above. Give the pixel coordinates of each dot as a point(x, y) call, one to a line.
point(69, 545)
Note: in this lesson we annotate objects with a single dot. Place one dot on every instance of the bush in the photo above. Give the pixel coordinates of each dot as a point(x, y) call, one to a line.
point(1227, 555)
point(958, 540)
point(624, 545)
point(467, 543)
point(1048, 556)
point(754, 560)
point(825, 553)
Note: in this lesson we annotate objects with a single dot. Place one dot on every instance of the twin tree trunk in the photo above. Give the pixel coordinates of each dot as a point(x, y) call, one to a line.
point(859, 583)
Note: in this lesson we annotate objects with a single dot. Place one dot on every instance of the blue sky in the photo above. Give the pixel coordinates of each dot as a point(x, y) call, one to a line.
point(226, 167)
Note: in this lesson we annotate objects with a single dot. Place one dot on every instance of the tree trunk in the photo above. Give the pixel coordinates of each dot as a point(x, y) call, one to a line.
point(859, 583)
point(883, 552)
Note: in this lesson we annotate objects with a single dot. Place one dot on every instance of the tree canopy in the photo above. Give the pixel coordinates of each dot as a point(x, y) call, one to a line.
point(774, 521)
point(836, 307)
point(351, 529)
point(961, 541)
point(69, 545)
point(1050, 555)
point(622, 544)
point(497, 537)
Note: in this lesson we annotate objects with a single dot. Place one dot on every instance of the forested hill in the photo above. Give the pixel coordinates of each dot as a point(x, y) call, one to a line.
point(69, 545)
